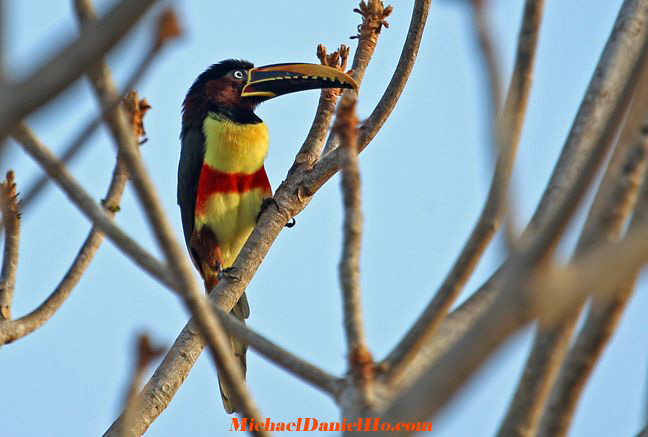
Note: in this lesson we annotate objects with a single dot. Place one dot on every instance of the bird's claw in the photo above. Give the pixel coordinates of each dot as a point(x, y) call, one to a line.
point(265, 204)
point(271, 201)
point(229, 273)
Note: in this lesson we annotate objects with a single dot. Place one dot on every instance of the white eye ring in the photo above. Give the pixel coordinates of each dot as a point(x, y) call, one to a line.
point(238, 74)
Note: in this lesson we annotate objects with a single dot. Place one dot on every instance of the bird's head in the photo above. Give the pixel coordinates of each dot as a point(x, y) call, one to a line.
point(237, 86)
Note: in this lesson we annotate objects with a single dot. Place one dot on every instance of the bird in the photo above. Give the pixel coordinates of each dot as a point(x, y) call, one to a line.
point(222, 182)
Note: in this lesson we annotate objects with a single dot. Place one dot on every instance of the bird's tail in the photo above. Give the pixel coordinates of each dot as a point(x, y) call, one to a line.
point(242, 311)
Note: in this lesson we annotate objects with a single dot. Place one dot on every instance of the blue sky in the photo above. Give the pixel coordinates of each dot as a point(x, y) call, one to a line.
point(424, 179)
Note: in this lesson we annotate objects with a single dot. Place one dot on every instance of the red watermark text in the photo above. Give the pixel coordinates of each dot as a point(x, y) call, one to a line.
point(312, 424)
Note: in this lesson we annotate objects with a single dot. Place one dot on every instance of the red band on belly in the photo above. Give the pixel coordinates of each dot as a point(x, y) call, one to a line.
point(213, 181)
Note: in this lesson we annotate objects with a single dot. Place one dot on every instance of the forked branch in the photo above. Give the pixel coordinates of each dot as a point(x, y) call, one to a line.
point(613, 72)
point(15, 329)
point(520, 302)
point(621, 187)
point(510, 124)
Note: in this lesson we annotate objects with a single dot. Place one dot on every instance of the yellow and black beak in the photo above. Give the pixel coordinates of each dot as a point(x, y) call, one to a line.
point(278, 79)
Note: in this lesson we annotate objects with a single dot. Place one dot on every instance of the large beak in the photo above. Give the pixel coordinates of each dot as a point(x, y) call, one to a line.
point(275, 80)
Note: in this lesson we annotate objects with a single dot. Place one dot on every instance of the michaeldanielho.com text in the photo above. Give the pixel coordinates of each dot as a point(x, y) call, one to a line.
point(311, 424)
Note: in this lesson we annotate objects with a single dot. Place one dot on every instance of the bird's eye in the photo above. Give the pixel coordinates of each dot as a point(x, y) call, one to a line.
point(238, 74)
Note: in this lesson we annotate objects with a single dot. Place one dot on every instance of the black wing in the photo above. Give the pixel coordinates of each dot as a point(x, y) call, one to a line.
point(191, 159)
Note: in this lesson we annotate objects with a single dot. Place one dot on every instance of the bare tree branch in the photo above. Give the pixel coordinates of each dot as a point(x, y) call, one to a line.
point(515, 306)
point(489, 57)
point(69, 153)
point(167, 30)
point(578, 364)
point(145, 352)
point(604, 312)
point(57, 171)
point(330, 163)
point(374, 15)
point(500, 131)
point(491, 215)
point(609, 112)
point(9, 209)
point(614, 202)
point(310, 151)
point(609, 78)
point(281, 357)
point(361, 364)
point(15, 329)
point(374, 18)
point(549, 293)
point(19, 100)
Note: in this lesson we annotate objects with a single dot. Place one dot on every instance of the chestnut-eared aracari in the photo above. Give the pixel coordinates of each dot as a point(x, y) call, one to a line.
point(222, 182)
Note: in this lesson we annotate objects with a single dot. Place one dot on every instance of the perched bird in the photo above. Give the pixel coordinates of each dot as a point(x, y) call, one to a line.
point(222, 182)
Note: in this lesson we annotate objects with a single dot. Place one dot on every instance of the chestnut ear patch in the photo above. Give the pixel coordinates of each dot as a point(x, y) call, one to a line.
point(224, 92)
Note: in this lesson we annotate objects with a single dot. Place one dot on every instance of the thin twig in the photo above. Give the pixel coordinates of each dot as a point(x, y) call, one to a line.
point(9, 210)
point(281, 357)
point(69, 153)
point(13, 330)
point(144, 354)
point(484, 38)
point(311, 149)
point(66, 66)
point(330, 162)
point(87, 205)
point(374, 18)
point(500, 130)
point(81, 139)
point(361, 364)
point(512, 121)
point(18, 328)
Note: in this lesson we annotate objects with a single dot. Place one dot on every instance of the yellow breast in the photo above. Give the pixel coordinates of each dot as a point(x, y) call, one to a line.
point(233, 147)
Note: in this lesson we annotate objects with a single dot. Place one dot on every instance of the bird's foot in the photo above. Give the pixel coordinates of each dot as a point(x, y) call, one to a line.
point(229, 273)
point(265, 204)
point(271, 201)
